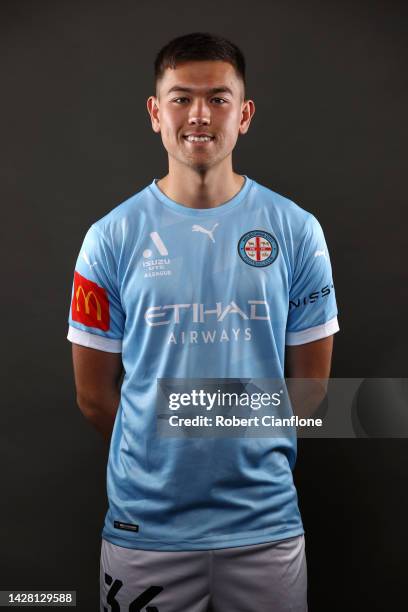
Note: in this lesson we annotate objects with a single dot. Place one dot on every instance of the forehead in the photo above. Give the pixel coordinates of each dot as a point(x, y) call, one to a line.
point(200, 76)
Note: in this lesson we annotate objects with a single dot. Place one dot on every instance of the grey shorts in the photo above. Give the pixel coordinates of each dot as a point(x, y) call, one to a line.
point(270, 577)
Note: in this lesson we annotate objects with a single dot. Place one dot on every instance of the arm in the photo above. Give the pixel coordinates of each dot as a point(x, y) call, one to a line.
point(310, 361)
point(97, 381)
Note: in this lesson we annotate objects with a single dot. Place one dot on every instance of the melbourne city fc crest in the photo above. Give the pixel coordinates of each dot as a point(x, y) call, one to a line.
point(258, 248)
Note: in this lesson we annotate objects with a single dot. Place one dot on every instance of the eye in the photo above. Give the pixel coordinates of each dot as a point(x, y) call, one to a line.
point(178, 99)
point(220, 101)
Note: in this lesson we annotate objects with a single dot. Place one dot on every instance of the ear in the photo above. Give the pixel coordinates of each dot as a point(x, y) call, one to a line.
point(153, 110)
point(247, 112)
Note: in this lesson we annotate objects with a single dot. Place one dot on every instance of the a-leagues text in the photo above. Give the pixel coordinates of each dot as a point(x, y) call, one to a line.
point(208, 400)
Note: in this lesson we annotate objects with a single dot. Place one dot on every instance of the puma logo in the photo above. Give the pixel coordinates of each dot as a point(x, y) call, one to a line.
point(198, 228)
point(85, 256)
point(320, 253)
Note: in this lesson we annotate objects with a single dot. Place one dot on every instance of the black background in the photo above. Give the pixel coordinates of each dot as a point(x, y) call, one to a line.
point(329, 81)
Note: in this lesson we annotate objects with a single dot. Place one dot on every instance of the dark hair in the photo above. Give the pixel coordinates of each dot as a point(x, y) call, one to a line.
point(199, 46)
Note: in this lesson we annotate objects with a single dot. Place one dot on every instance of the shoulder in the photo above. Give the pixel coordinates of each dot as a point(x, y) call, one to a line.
point(292, 219)
point(124, 221)
point(127, 211)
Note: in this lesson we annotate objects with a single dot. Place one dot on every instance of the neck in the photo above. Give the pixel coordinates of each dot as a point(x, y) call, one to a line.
point(197, 189)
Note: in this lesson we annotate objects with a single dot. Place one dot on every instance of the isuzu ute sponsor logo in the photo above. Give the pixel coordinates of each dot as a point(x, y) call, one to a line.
point(159, 244)
point(157, 266)
point(258, 248)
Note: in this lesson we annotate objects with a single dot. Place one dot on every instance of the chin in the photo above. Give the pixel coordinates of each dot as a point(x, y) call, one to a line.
point(199, 167)
point(205, 162)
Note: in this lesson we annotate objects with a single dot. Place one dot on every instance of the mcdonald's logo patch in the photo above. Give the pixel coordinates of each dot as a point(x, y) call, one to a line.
point(90, 304)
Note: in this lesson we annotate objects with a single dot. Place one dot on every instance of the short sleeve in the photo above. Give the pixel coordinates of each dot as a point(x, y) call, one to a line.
point(312, 303)
point(96, 317)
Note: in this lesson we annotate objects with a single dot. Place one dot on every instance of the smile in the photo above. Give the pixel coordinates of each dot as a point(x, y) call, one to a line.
point(198, 139)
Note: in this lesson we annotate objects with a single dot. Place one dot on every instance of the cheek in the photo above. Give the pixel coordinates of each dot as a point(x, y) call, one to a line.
point(231, 117)
point(232, 126)
point(166, 132)
point(170, 124)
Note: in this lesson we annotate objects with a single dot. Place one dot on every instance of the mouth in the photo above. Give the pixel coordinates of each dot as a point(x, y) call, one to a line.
point(198, 139)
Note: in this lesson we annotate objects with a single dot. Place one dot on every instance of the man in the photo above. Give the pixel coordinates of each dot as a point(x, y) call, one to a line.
point(202, 274)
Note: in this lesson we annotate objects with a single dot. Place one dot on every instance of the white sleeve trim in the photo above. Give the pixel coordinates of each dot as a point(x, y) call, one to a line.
point(79, 336)
point(313, 333)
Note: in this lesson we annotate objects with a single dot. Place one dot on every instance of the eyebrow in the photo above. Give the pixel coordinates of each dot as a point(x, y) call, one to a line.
point(213, 90)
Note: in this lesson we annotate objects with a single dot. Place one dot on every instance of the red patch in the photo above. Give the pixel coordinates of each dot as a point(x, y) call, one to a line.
point(90, 304)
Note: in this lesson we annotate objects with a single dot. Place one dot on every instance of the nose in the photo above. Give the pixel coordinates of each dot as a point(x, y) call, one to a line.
point(199, 114)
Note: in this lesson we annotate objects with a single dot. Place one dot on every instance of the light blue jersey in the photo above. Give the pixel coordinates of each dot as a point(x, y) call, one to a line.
point(200, 293)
